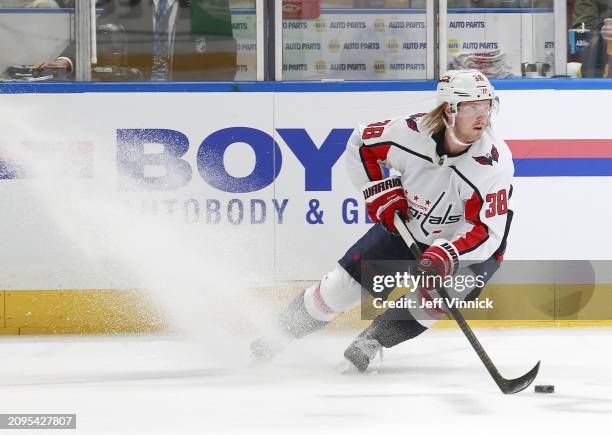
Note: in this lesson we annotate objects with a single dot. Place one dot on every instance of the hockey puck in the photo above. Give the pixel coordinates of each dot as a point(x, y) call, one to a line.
point(544, 388)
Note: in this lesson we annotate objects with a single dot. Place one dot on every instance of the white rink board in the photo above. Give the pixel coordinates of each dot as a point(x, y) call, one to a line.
point(46, 247)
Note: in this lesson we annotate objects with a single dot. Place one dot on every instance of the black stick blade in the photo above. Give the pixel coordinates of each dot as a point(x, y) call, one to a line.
point(512, 386)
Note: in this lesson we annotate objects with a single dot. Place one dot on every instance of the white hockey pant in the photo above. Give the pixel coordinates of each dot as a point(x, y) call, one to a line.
point(337, 292)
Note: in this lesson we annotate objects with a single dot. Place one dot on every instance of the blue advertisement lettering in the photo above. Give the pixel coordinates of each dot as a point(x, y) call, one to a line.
point(350, 213)
point(268, 160)
point(317, 161)
point(132, 159)
point(258, 211)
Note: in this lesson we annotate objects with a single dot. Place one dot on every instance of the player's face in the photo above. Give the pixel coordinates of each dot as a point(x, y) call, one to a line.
point(471, 120)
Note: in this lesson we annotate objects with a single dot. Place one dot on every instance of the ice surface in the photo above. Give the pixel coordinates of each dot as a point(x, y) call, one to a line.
point(170, 384)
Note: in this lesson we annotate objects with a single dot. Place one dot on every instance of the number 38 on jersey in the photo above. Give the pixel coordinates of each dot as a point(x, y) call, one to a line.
point(498, 203)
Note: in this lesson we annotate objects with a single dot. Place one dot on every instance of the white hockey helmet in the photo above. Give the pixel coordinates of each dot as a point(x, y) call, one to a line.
point(457, 86)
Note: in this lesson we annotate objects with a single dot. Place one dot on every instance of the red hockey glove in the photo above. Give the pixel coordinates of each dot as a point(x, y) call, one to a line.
point(438, 261)
point(382, 198)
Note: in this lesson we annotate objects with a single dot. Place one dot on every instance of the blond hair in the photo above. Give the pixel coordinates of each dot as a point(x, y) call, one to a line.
point(434, 120)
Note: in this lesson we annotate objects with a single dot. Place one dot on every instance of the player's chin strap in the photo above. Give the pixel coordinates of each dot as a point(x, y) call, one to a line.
point(451, 131)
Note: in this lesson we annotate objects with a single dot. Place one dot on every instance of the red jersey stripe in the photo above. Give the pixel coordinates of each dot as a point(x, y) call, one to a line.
point(477, 235)
point(370, 156)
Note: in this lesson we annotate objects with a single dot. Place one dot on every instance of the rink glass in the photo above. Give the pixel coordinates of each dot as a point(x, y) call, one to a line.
point(29, 36)
point(216, 40)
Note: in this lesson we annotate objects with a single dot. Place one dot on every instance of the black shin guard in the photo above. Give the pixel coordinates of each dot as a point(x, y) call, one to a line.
point(296, 321)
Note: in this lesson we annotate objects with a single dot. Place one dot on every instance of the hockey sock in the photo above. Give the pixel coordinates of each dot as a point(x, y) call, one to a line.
point(297, 322)
point(390, 332)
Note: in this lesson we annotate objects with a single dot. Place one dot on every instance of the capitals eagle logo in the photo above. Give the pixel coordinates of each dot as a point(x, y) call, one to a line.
point(488, 158)
point(412, 121)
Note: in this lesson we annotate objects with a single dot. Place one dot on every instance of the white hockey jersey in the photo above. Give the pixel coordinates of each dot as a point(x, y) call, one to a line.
point(462, 198)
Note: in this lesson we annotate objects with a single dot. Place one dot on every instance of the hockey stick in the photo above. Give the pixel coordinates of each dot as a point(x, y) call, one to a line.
point(507, 386)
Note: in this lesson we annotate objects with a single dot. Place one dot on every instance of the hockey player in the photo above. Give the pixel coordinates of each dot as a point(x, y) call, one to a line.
point(453, 190)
